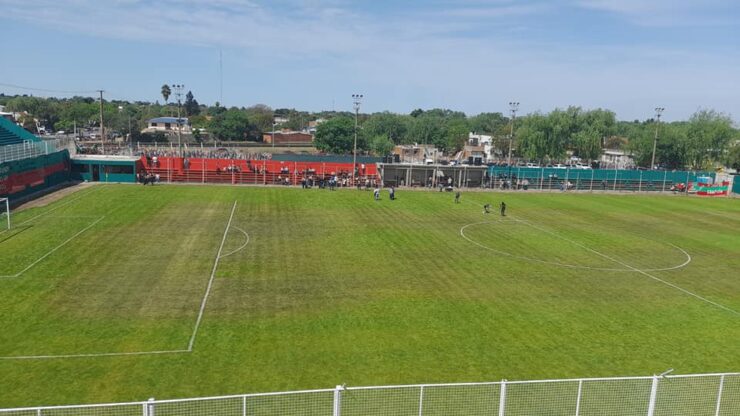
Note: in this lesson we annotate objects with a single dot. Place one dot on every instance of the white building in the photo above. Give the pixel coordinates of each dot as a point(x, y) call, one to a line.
point(616, 159)
point(167, 125)
point(482, 140)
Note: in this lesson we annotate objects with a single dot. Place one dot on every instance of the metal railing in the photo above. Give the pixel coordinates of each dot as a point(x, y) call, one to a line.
point(695, 394)
point(30, 149)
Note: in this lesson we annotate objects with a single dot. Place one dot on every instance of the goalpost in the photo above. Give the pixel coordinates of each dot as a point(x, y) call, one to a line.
point(4, 212)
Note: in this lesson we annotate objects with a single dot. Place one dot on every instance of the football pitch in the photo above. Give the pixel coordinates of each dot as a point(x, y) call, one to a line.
point(119, 293)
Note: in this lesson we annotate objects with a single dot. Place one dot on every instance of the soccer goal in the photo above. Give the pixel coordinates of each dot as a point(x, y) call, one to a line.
point(4, 214)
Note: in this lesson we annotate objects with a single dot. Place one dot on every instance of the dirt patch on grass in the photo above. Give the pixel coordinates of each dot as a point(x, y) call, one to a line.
point(54, 196)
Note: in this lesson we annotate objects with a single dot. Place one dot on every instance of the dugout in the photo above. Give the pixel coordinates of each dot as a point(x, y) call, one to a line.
point(105, 168)
point(417, 175)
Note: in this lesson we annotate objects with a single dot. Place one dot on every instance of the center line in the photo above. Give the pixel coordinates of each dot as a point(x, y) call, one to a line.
point(210, 281)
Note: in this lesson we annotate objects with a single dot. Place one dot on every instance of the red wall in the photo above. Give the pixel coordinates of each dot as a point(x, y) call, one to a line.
point(272, 166)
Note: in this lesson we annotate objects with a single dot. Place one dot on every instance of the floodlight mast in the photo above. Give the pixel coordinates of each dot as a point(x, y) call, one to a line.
point(658, 113)
point(513, 107)
point(356, 101)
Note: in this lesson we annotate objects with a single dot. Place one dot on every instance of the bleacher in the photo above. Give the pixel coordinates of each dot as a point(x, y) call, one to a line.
point(248, 172)
point(10, 133)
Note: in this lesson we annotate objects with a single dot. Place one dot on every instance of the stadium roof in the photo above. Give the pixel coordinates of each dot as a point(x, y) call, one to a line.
point(11, 133)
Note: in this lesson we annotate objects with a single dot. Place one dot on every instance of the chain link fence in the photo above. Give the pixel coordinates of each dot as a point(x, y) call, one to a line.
point(695, 394)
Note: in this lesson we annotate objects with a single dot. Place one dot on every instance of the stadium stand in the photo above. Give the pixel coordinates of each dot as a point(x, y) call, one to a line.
point(10, 133)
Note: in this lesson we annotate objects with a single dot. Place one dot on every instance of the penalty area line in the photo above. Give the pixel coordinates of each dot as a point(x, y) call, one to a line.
point(50, 252)
point(91, 355)
point(210, 280)
point(644, 273)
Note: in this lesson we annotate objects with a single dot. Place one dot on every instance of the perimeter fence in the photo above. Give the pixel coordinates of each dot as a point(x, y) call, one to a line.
point(31, 149)
point(695, 394)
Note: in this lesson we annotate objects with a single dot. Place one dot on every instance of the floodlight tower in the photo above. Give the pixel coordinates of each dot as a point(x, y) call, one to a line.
point(356, 101)
point(178, 93)
point(658, 113)
point(513, 107)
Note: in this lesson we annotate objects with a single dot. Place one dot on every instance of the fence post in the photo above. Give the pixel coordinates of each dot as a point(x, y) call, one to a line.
point(616, 173)
point(665, 176)
point(719, 394)
point(653, 396)
point(338, 401)
point(591, 188)
point(421, 400)
point(578, 399)
point(688, 176)
point(542, 178)
point(502, 398)
point(149, 407)
point(639, 186)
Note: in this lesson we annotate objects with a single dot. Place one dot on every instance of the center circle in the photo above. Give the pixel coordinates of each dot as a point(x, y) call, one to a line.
point(563, 264)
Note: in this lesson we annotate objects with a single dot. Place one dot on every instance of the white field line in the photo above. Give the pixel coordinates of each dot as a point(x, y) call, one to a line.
point(101, 354)
point(566, 265)
point(717, 214)
point(240, 247)
point(210, 281)
point(139, 353)
point(53, 209)
point(635, 269)
point(50, 252)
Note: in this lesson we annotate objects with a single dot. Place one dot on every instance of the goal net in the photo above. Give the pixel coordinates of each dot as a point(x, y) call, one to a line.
point(4, 214)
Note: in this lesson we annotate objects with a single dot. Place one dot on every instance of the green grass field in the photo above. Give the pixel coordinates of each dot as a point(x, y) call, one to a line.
point(335, 288)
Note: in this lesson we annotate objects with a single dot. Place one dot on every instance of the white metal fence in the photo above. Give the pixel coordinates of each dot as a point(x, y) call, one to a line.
point(695, 394)
point(32, 149)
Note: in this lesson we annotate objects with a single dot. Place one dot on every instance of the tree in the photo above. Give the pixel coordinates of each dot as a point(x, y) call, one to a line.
point(615, 142)
point(489, 123)
point(392, 126)
point(733, 158)
point(456, 133)
point(231, 125)
point(709, 134)
point(532, 137)
point(166, 92)
point(261, 118)
point(336, 135)
point(381, 145)
point(192, 107)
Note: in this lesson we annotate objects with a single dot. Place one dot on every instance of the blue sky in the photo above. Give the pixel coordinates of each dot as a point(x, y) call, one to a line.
point(471, 55)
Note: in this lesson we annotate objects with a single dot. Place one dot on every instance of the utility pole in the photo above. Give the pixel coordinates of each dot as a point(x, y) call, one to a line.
point(178, 93)
point(102, 128)
point(513, 107)
point(273, 132)
point(357, 101)
point(658, 113)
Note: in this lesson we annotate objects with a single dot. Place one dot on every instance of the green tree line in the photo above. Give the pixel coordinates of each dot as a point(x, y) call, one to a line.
point(706, 139)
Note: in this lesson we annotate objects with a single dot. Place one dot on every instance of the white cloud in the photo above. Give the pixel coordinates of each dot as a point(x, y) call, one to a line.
point(461, 54)
point(667, 13)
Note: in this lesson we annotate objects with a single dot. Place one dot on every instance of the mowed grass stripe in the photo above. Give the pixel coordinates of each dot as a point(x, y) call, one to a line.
point(334, 287)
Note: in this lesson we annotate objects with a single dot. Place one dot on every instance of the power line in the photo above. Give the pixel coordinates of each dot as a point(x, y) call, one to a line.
point(20, 87)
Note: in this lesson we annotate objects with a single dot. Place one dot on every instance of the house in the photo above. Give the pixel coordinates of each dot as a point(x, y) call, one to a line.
point(416, 153)
point(616, 159)
point(288, 137)
point(167, 125)
point(485, 141)
point(313, 125)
